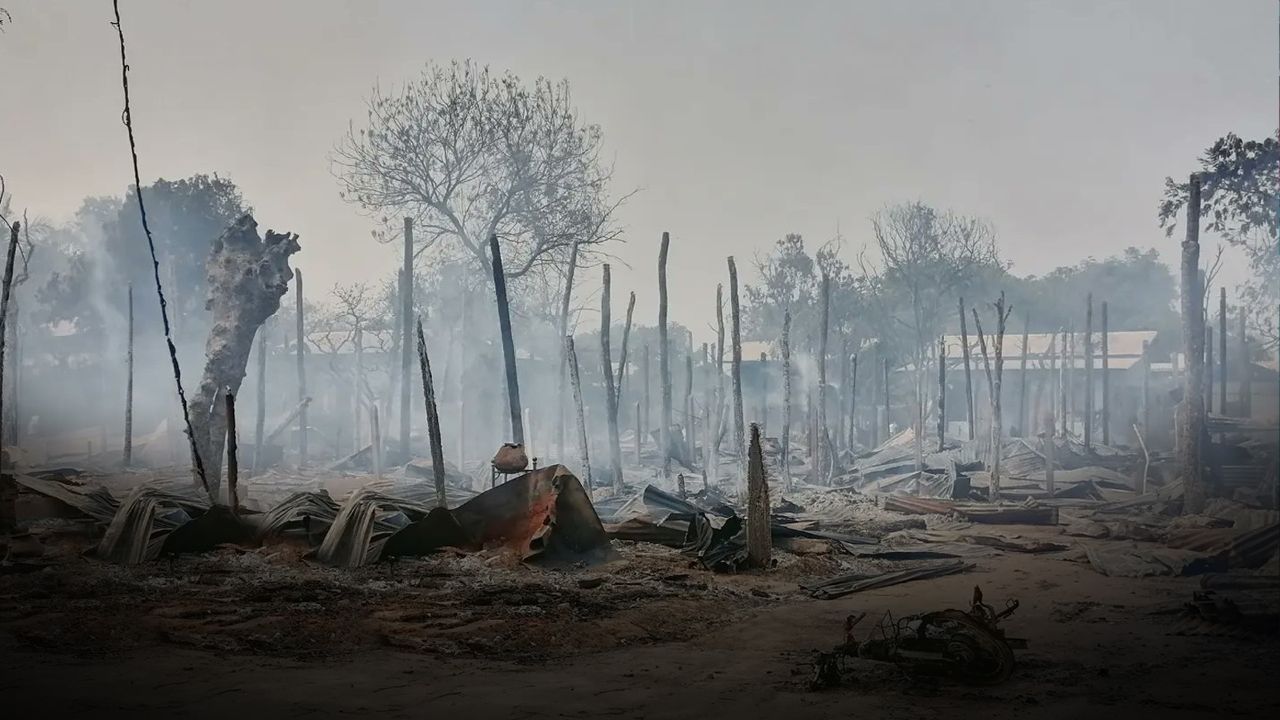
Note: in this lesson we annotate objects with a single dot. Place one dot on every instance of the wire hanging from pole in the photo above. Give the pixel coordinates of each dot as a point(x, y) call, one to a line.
point(127, 117)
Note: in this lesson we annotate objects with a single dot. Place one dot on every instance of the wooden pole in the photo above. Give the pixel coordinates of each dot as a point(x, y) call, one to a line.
point(128, 387)
point(759, 535)
point(4, 309)
point(375, 431)
point(406, 340)
point(738, 430)
point(942, 393)
point(610, 390)
point(462, 384)
point(689, 437)
point(994, 372)
point(508, 344)
point(764, 393)
point(260, 410)
point(853, 401)
point(433, 417)
point(1106, 378)
point(1049, 448)
point(720, 400)
point(584, 451)
point(233, 462)
point(626, 336)
point(638, 432)
point(1065, 357)
point(357, 390)
point(843, 394)
point(645, 369)
point(1024, 427)
point(1246, 368)
point(664, 358)
point(302, 370)
point(1146, 387)
point(1222, 351)
point(1208, 364)
point(822, 368)
point(1088, 372)
point(786, 399)
point(1192, 410)
point(887, 403)
point(968, 376)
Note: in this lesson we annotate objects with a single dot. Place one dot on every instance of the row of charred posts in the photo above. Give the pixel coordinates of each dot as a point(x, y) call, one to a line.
point(240, 306)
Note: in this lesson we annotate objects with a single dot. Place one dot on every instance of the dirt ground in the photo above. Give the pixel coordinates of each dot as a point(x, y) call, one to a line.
point(265, 634)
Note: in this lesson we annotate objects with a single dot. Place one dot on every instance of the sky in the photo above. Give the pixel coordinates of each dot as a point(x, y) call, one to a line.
point(737, 121)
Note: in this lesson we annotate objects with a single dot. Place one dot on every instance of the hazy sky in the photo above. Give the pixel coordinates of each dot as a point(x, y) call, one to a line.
point(739, 121)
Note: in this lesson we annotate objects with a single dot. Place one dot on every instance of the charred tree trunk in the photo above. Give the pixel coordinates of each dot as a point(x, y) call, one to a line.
point(406, 339)
point(994, 373)
point(247, 277)
point(1246, 368)
point(1146, 387)
point(706, 416)
point(690, 443)
point(233, 461)
point(357, 389)
point(844, 392)
point(822, 370)
point(759, 537)
point(853, 401)
point(610, 391)
point(433, 417)
point(622, 361)
point(563, 377)
point(647, 418)
point(1191, 427)
point(786, 399)
point(1024, 428)
point(300, 331)
point(4, 309)
point(942, 393)
point(968, 375)
point(1208, 364)
point(128, 388)
point(1049, 448)
point(1064, 358)
point(508, 344)
point(720, 400)
point(584, 451)
point(1106, 379)
point(260, 410)
point(1088, 372)
point(664, 359)
point(638, 432)
point(738, 440)
point(888, 432)
point(1222, 352)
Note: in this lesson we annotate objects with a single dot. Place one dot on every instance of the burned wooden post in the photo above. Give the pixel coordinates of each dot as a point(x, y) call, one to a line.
point(1106, 378)
point(720, 400)
point(508, 343)
point(584, 451)
point(128, 387)
point(759, 536)
point(822, 367)
point(406, 340)
point(737, 368)
point(1191, 425)
point(433, 417)
point(375, 433)
point(706, 415)
point(968, 377)
point(853, 401)
point(843, 393)
point(1222, 351)
point(691, 444)
point(888, 425)
point(1088, 372)
point(233, 462)
point(357, 387)
point(563, 378)
point(1246, 368)
point(664, 359)
point(1208, 364)
point(247, 277)
point(1048, 446)
point(638, 432)
point(994, 373)
point(1146, 387)
point(942, 394)
point(622, 361)
point(300, 331)
point(4, 308)
point(1065, 358)
point(260, 409)
point(1024, 428)
point(764, 393)
point(610, 391)
point(645, 370)
point(786, 399)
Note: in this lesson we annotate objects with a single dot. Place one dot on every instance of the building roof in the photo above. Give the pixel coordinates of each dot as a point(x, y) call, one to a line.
point(1124, 349)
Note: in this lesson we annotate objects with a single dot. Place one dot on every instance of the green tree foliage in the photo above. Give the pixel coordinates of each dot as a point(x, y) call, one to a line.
point(1240, 197)
point(791, 279)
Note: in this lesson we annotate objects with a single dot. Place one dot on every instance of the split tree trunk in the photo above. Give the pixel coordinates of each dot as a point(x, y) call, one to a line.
point(563, 377)
point(247, 277)
point(508, 344)
point(759, 537)
point(433, 418)
point(610, 389)
point(738, 439)
point(664, 359)
point(968, 376)
point(584, 451)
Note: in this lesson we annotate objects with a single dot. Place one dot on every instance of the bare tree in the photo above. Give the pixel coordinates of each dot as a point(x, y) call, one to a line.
point(469, 154)
point(994, 374)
